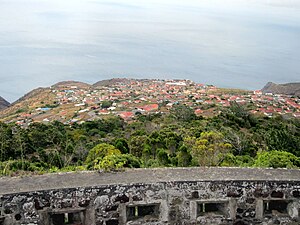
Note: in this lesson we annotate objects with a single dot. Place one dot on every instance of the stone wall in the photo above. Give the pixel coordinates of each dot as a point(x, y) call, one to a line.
point(174, 203)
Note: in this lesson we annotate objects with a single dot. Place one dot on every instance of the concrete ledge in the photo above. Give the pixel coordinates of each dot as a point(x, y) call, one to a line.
point(134, 176)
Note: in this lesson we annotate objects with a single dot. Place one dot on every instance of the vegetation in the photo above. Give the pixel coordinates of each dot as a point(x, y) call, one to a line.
point(179, 138)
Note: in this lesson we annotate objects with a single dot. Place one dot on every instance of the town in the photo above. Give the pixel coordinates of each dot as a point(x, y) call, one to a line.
point(71, 102)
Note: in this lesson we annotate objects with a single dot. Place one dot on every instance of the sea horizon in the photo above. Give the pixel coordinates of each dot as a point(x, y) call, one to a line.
point(231, 44)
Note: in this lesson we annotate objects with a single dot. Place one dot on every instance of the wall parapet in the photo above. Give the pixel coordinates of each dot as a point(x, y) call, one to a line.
point(186, 196)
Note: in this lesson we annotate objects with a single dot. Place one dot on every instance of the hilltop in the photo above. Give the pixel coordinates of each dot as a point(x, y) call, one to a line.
point(287, 89)
point(3, 103)
point(71, 84)
point(110, 82)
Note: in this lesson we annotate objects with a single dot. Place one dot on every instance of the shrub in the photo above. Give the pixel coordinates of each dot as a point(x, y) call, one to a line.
point(277, 159)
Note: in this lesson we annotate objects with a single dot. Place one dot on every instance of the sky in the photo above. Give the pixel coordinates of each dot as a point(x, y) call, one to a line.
point(228, 43)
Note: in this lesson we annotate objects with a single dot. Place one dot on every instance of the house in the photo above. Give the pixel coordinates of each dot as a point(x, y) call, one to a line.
point(198, 112)
point(296, 114)
point(126, 115)
point(150, 107)
point(257, 92)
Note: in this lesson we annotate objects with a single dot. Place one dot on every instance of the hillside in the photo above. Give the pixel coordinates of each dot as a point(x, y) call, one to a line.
point(159, 122)
point(30, 94)
point(287, 89)
point(27, 104)
point(3, 103)
point(73, 101)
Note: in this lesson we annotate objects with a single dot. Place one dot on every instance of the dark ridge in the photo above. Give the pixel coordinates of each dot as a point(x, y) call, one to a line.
point(109, 82)
point(287, 89)
point(3, 103)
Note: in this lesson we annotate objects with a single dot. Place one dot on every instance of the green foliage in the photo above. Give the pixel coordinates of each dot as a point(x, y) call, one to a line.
point(231, 160)
point(106, 104)
point(152, 163)
point(209, 149)
point(241, 142)
point(116, 162)
point(20, 110)
point(100, 151)
point(137, 144)
point(277, 159)
point(50, 106)
point(183, 113)
point(232, 138)
point(13, 166)
point(122, 145)
point(163, 157)
point(184, 157)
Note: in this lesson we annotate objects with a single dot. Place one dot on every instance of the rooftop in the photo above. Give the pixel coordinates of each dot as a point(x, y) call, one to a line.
point(131, 176)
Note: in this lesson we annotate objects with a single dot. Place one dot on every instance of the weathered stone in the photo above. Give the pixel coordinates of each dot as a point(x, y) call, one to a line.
point(277, 194)
point(250, 200)
point(296, 194)
point(122, 198)
point(171, 197)
point(195, 194)
point(235, 193)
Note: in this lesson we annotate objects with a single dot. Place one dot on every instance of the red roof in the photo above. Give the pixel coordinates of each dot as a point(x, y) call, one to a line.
point(198, 111)
point(126, 115)
point(150, 107)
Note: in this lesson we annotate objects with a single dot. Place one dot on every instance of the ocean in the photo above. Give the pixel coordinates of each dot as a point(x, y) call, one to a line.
point(228, 43)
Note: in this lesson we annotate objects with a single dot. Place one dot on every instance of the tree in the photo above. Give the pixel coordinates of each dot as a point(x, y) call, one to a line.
point(122, 145)
point(155, 140)
point(183, 113)
point(106, 104)
point(209, 149)
point(283, 139)
point(137, 144)
point(162, 156)
point(240, 141)
point(19, 143)
point(237, 161)
point(100, 151)
point(117, 161)
point(5, 142)
point(170, 139)
point(184, 157)
point(277, 159)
